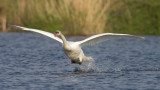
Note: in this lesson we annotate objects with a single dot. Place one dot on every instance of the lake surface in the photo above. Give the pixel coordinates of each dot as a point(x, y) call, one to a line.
point(30, 61)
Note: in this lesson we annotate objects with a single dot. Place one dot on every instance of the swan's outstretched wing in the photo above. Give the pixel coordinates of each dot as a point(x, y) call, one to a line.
point(38, 31)
point(105, 36)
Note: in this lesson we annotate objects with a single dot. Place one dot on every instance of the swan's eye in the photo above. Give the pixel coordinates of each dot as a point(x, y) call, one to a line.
point(57, 32)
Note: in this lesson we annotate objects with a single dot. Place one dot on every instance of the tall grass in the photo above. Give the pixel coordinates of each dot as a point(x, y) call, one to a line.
point(2, 17)
point(75, 17)
point(81, 16)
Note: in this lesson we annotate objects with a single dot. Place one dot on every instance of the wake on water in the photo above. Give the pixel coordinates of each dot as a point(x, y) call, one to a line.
point(90, 66)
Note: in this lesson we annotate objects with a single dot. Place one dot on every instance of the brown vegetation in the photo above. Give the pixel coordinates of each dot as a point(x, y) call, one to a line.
point(2, 18)
point(83, 17)
point(76, 16)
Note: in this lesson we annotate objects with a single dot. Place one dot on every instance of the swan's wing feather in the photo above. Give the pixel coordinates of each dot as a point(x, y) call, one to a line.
point(105, 36)
point(38, 31)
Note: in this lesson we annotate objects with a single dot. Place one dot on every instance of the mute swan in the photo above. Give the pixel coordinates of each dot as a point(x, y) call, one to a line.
point(73, 49)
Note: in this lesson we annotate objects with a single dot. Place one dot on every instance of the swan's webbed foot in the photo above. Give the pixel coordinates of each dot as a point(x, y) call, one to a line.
point(76, 62)
point(79, 63)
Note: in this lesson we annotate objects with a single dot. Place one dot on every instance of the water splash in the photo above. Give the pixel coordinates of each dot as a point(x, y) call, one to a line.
point(87, 67)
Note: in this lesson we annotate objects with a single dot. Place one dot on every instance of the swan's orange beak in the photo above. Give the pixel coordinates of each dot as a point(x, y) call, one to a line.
point(56, 34)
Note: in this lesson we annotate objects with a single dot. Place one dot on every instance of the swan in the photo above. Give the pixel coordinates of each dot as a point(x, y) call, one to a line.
point(73, 49)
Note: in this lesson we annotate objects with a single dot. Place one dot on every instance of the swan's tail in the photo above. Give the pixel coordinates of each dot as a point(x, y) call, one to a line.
point(87, 59)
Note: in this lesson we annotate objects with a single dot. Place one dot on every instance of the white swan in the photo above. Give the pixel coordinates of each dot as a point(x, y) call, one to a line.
point(73, 49)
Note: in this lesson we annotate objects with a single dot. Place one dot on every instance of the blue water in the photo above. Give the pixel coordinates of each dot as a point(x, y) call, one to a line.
point(29, 61)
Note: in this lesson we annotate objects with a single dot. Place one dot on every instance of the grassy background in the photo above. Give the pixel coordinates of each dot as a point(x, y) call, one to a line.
point(135, 17)
point(84, 17)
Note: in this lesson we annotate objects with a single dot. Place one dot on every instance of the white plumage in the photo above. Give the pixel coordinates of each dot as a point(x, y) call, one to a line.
point(73, 49)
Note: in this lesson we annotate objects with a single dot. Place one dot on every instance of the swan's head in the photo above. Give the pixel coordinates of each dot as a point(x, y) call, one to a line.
point(57, 33)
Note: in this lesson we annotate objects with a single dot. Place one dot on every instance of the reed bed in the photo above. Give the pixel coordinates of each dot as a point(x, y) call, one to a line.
point(73, 17)
point(2, 17)
point(83, 17)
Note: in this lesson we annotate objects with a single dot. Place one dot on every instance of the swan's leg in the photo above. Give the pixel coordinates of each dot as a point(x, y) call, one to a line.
point(76, 62)
point(73, 61)
point(80, 61)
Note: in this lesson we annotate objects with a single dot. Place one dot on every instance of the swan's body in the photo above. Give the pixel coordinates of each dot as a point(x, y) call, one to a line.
point(73, 49)
point(75, 53)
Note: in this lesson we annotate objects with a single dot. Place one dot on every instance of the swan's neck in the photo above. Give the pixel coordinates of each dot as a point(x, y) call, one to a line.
point(64, 40)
